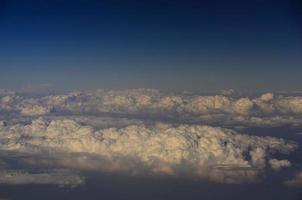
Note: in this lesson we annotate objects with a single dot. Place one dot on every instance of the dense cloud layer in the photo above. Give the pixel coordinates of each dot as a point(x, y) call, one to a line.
point(202, 151)
point(143, 132)
point(265, 110)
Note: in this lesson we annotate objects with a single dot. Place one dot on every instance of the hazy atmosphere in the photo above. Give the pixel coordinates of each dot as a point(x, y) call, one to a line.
point(150, 99)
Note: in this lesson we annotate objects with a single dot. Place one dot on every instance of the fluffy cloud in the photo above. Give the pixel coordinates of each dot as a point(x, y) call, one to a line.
point(267, 97)
point(279, 164)
point(144, 132)
point(243, 106)
point(31, 107)
point(264, 110)
point(146, 102)
point(290, 104)
point(216, 154)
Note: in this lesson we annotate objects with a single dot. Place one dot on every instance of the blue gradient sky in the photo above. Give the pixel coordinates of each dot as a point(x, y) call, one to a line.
point(176, 45)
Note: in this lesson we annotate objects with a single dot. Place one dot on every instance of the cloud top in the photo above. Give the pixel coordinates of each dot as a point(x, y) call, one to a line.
point(144, 132)
point(146, 102)
point(207, 152)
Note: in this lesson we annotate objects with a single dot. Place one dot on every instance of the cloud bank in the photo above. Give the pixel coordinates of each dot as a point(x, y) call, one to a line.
point(212, 153)
point(143, 132)
point(266, 110)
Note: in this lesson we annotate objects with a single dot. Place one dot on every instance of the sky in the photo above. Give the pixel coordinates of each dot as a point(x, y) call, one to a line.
point(175, 45)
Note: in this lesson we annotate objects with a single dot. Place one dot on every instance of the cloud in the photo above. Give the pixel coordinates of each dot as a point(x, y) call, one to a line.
point(243, 106)
point(279, 164)
point(146, 132)
point(290, 104)
point(57, 177)
point(31, 107)
point(295, 182)
point(266, 110)
point(205, 152)
point(267, 97)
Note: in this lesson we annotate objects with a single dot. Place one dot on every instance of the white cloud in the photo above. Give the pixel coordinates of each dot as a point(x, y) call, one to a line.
point(267, 110)
point(31, 107)
point(243, 106)
point(279, 164)
point(267, 97)
point(72, 133)
point(200, 151)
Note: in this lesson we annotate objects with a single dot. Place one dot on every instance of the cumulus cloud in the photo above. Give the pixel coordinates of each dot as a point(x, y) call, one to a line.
point(182, 107)
point(290, 104)
point(267, 97)
point(279, 164)
point(31, 107)
point(243, 106)
point(216, 154)
point(147, 132)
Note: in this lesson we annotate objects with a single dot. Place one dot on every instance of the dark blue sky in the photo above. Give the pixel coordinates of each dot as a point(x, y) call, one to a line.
point(177, 45)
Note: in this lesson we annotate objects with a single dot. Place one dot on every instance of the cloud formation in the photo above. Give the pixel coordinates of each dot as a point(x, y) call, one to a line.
point(279, 164)
point(146, 132)
point(266, 110)
point(212, 153)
